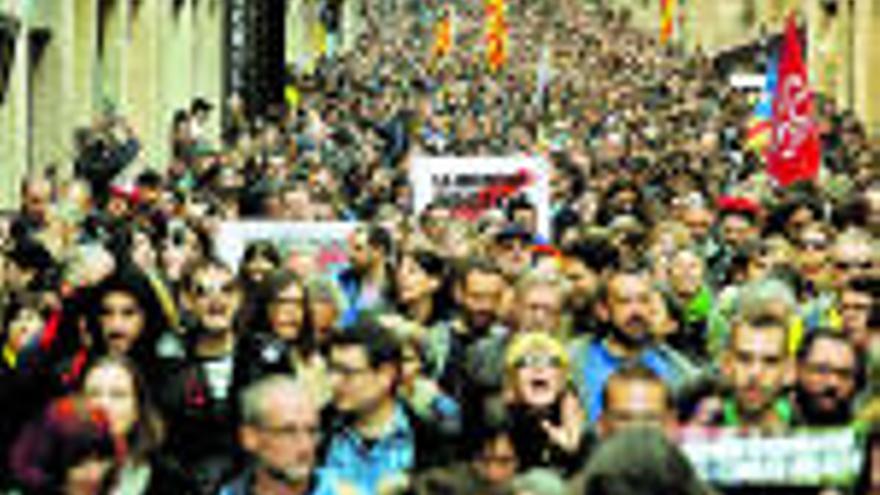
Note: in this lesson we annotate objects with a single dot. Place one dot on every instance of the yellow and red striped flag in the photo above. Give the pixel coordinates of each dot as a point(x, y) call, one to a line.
point(667, 20)
point(496, 34)
point(443, 35)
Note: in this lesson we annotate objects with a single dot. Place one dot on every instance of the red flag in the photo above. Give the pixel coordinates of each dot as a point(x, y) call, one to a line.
point(795, 150)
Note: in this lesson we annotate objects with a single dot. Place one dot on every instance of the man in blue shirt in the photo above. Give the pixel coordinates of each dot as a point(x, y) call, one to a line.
point(366, 283)
point(627, 307)
point(373, 438)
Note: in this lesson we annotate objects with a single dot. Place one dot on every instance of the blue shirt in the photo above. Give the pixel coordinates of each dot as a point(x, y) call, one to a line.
point(359, 298)
point(366, 464)
point(324, 482)
point(598, 364)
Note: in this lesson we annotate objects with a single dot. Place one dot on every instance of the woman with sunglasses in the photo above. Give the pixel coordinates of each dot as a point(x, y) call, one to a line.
point(547, 417)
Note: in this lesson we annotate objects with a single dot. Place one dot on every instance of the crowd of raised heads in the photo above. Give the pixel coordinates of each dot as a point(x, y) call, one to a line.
point(460, 352)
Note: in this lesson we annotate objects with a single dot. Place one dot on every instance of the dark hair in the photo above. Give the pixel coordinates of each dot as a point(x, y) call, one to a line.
point(189, 273)
point(149, 178)
point(148, 433)
point(865, 284)
point(379, 343)
point(482, 265)
point(520, 202)
point(253, 250)
point(597, 253)
point(130, 280)
point(379, 237)
point(261, 248)
point(490, 420)
point(779, 217)
point(812, 338)
point(265, 296)
point(19, 301)
point(29, 253)
point(640, 461)
point(68, 433)
point(435, 267)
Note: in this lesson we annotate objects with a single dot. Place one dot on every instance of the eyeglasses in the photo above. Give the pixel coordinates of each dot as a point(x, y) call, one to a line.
point(855, 307)
point(547, 308)
point(289, 301)
point(291, 431)
point(828, 369)
point(813, 244)
point(345, 370)
point(499, 460)
point(853, 265)
point(538, 361)
point(206, 289)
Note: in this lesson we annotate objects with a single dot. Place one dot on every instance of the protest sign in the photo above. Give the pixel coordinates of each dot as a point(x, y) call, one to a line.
point(474, 185)
point(800, 457)
point(305, 247)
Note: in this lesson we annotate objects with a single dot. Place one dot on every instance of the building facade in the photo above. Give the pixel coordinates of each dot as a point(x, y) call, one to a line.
point(64, 62)
point(75, 59)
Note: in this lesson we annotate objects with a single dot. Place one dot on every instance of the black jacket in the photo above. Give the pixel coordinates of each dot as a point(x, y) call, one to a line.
point(202, 430)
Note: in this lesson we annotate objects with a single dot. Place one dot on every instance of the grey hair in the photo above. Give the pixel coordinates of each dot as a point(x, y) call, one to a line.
point(756, 297)
point(253, 397)
point(546, 278)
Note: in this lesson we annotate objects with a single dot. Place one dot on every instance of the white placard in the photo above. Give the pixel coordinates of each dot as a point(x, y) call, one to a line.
point(474, 184)
point(801, 457)
point(309, 248)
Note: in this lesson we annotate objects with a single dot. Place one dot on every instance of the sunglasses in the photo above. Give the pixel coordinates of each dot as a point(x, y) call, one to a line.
point(853, 265)
point(813, 244)
point(538, 361)
point(202, 290)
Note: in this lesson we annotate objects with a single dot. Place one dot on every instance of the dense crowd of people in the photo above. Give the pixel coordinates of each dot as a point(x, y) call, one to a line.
point(453, 355)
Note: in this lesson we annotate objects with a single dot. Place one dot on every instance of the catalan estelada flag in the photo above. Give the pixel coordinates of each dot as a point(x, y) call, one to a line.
point(496, 34)
point(759, 130)
point(667, 20)
point(795, 151)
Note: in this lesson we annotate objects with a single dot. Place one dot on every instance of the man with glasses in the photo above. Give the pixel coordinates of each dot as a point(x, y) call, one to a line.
point(197, 394)
point(280, 431)
point(541, 301)
point(827, 379)
point(374, 441)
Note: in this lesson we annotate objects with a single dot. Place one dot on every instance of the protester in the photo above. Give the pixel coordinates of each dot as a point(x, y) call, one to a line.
point(680, 284)
point(70, 450)
point(641, 462)
point(280, 431)
point(829, 372)
point(197, 390)
point(114, 385)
